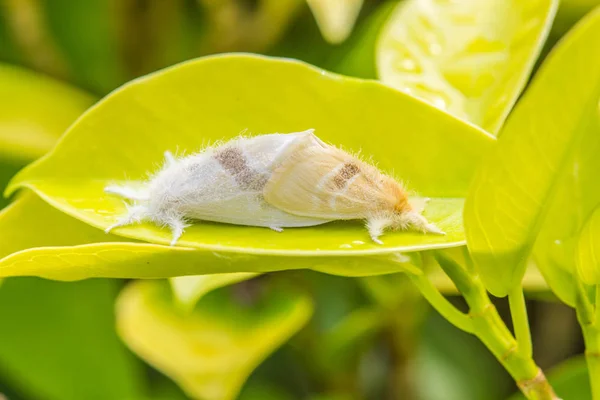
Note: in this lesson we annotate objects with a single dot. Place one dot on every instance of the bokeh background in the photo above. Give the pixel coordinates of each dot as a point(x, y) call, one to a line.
point(58, 340)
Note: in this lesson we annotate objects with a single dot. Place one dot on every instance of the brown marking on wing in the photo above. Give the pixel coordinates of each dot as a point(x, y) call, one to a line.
point(233, 161)
point(348, 171)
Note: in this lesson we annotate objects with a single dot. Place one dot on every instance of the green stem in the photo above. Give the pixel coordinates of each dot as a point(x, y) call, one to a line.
point(589, 322)
point(441, 304)
point(492, 331)
point(518, 312)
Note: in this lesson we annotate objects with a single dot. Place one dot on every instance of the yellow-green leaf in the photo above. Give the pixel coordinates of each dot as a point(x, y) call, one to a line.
point(42, 241)
point(335, 18)
point(471, 58)
point(216, 98)
point(189, 289)
point(540, 182)
point(34, 111)
point(588, 250)
point(211, 351)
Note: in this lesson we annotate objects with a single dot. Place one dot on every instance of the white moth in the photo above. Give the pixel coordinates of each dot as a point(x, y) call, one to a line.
point(274, 181)
point(221, 184)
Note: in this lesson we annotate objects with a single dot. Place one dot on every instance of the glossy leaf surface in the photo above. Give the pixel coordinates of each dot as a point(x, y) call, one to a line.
point(215, 98)
point(540, 182)
point(68, 249)
point(211, 351)
point(471, 58)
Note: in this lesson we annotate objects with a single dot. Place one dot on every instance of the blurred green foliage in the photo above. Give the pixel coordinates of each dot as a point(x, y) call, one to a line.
point(367, 339)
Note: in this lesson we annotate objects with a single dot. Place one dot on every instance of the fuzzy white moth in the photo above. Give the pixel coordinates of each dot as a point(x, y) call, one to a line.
point(221, 184)
point(275, 181)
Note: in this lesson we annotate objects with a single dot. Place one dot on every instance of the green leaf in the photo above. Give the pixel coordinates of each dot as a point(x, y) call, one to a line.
point(335, 18)
point(588, 250)
point(44, 242)
point(189, 289)
point(569, 379)
point(58, 341)
point(210, 352)
point(540, 182)
point(215, 98)
point(34, 112)
point(470, 58)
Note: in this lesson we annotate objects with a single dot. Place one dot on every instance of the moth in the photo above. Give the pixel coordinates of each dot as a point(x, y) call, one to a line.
point(327, 182)
point(275, 181)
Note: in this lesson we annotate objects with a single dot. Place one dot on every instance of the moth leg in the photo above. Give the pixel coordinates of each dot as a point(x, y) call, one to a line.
point(135, 215)
point(177, 227)
point(127, 192)
point(420, 223)
point(376, 226)
point(170, 158)
point(276, 228)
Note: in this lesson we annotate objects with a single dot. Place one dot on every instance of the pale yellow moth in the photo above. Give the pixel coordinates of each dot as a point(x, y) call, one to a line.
point(275, 181)
point(322, 181)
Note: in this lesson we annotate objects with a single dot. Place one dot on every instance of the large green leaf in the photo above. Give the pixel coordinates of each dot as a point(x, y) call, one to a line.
point(471, 58)
point(34, 112)
point(42, 241)
point(210, 352)
point(58, 341)
point(215, 98)
point(541, 179)
point(588, 250)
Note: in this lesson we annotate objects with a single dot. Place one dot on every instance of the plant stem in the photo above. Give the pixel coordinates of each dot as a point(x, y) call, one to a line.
point(441, 304)
point(518, 312)
point(587, 317)
point(492, 331)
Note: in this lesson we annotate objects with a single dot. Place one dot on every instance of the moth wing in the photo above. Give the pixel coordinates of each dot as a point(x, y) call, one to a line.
point(264, 152)
point(250, 209)
point(211, 193)
point(321, 183)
